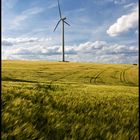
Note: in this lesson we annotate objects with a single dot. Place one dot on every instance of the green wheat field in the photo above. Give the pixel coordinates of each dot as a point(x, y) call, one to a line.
point(69, 101)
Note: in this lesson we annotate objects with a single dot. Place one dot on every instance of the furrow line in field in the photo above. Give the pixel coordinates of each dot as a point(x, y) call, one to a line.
point(69, 74)
point(123, 77)
point(97, 75)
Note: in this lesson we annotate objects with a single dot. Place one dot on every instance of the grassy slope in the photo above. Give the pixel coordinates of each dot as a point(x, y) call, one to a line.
point(85, 101)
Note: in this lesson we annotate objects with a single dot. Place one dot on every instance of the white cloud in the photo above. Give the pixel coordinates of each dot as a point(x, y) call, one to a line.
point(75, 11)
point(91, 47)
point(124, 23)
point(26, 15)
point(98, 51)
point(17, 41)
point(130, 5)
point(119, 1)
point(52, 5)
point(9, 3)
point(136, 32)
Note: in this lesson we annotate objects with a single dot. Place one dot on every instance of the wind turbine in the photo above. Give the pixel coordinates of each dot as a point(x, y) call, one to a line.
point(62, 20)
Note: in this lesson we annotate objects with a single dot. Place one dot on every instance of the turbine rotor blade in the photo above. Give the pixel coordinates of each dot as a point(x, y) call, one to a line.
point(59, 9)
point(67, 23)
point(57, 25)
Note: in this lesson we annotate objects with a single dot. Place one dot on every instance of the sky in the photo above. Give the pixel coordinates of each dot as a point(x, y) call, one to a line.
point(101, 31)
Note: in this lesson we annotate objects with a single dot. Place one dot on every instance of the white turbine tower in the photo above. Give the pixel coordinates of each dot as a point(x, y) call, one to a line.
point(62, 20)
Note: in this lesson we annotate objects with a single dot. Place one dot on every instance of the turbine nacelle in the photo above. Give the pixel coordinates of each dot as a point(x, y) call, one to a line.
point(64, 18)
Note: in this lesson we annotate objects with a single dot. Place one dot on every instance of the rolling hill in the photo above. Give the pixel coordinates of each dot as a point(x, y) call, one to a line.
point(69, 101)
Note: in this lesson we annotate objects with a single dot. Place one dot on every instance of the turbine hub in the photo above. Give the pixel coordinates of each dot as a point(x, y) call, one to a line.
point(64, 18)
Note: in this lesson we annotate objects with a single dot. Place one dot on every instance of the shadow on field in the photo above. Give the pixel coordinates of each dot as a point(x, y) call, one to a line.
point(41, 120)
point(16, 80)
point(44, 91)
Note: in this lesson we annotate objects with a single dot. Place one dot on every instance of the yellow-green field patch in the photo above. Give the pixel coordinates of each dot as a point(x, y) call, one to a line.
point(69, 101)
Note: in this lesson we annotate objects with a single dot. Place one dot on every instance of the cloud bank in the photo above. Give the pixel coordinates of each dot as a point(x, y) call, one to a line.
point(18, 41)
point(98, 51)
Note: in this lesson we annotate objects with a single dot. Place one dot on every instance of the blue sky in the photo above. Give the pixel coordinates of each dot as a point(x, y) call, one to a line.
point(102, 31)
